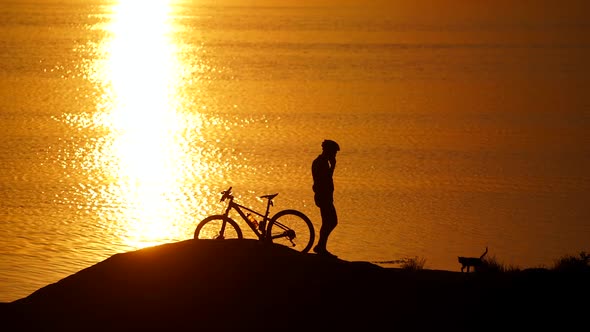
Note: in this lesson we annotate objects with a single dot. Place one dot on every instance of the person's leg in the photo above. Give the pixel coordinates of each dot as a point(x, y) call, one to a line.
point(329, 222)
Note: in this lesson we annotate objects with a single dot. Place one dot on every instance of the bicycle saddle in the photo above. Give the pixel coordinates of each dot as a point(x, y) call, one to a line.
point(269, 196)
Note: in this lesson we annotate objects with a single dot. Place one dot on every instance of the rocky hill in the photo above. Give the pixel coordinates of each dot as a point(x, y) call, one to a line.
point(245, 285)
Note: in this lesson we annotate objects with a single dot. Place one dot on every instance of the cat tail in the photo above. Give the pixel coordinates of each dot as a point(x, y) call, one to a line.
point(484, 253)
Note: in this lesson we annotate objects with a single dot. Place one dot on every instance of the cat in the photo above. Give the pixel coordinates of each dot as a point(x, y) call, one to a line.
point(475, 262)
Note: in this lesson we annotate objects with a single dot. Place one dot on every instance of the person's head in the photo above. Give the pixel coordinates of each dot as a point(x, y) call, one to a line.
point(330, 147)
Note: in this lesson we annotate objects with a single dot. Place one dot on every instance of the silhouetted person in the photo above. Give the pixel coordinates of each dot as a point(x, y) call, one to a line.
point(322, 170)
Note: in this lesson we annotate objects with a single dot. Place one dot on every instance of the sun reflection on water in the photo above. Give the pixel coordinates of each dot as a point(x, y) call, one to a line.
point(143, 158)
point(141, 72)
point(146, 156)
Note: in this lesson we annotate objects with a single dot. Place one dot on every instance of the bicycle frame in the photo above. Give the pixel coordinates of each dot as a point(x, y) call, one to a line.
point(239, 208)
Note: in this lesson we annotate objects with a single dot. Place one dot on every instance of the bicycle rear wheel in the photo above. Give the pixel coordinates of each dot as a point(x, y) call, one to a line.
point(291, 228)
point(210, 228)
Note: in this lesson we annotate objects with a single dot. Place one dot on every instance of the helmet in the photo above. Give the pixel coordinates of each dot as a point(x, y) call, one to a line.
point(330, 145)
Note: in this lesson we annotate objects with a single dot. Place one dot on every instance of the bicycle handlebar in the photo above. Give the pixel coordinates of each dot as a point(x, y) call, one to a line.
point(226, 194)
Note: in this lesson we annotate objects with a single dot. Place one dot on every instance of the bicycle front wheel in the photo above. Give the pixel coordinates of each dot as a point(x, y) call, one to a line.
point(291, 228)
point(218, 227)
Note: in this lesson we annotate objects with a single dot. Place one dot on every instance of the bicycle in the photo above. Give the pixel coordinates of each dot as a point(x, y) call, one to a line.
point(286, 227)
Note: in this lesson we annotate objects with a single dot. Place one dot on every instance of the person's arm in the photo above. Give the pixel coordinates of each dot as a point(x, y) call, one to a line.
point(332, 164)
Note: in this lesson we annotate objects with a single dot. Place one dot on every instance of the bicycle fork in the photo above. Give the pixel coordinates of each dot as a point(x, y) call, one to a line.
point(221, 235)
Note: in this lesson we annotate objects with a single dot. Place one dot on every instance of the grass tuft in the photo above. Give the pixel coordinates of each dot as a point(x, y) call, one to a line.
point(492, 265)
point(413, 264)
point(571, 263)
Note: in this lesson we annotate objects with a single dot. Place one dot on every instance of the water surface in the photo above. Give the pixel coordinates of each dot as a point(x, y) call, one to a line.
point(123, 121)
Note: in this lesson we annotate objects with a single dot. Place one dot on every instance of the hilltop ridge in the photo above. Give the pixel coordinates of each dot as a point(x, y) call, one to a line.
point(248, 285)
